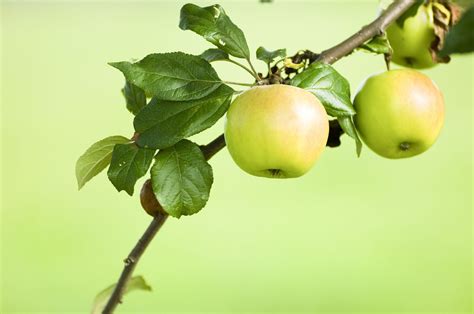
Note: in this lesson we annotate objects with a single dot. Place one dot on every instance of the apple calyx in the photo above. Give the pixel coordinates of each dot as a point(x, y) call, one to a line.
point(404, 146)
point(274, 173)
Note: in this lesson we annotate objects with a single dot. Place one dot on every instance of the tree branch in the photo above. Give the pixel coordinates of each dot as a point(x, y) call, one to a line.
point(377, 27)
point(331, 55)
point(132, 260)
point(159, 219)
point(395, 10)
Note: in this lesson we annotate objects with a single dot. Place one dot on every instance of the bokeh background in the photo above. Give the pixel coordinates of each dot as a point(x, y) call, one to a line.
point(354, 235)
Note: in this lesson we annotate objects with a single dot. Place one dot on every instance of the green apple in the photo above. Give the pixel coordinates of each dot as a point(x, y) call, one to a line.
point(276, 131)
point(399, 113)
point(411, 42)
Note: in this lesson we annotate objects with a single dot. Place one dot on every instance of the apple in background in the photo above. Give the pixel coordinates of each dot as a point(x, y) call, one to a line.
point(276, 131)
point(399, 113)
point(411, 42)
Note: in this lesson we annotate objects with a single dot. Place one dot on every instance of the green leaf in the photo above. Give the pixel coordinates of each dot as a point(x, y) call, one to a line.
point(129, 163)
point(96, 158)
point(162, 123)
point(379, 44)
point(213, 54)
point(409, 13)
point(268, 56)
point(181, 179)
point(171, 76)
point(347, 124)
point(100, 301)
point(215, 26)
point(331, 88)
point(460, 39)
point(135, 97)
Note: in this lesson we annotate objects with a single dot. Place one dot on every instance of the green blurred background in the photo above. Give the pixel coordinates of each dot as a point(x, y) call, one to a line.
point(354, 235)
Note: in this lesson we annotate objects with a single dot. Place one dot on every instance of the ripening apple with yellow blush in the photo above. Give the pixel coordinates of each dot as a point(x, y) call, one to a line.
point(400, 113)
point(276, 131)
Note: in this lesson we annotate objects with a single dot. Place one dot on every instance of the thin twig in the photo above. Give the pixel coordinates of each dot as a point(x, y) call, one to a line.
point(395, 10)
point(159, 219)
point(132, 260)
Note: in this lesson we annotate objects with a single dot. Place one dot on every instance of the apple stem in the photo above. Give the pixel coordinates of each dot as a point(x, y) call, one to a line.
point(388, 59)
point(213, 147)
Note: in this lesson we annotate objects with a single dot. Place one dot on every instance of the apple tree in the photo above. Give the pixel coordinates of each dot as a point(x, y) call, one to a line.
point(280, 124)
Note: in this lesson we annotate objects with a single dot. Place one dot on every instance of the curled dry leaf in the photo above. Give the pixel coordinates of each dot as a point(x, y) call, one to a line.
point(445, 15)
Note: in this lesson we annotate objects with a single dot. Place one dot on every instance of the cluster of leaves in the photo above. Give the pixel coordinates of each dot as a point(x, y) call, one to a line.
point(176, 95)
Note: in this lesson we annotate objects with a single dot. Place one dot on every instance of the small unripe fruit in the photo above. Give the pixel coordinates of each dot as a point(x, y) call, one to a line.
point(148, 200)
point(400, 113)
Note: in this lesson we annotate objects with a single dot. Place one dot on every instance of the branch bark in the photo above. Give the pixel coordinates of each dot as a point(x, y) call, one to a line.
point(331, 55)
point(377, 27)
